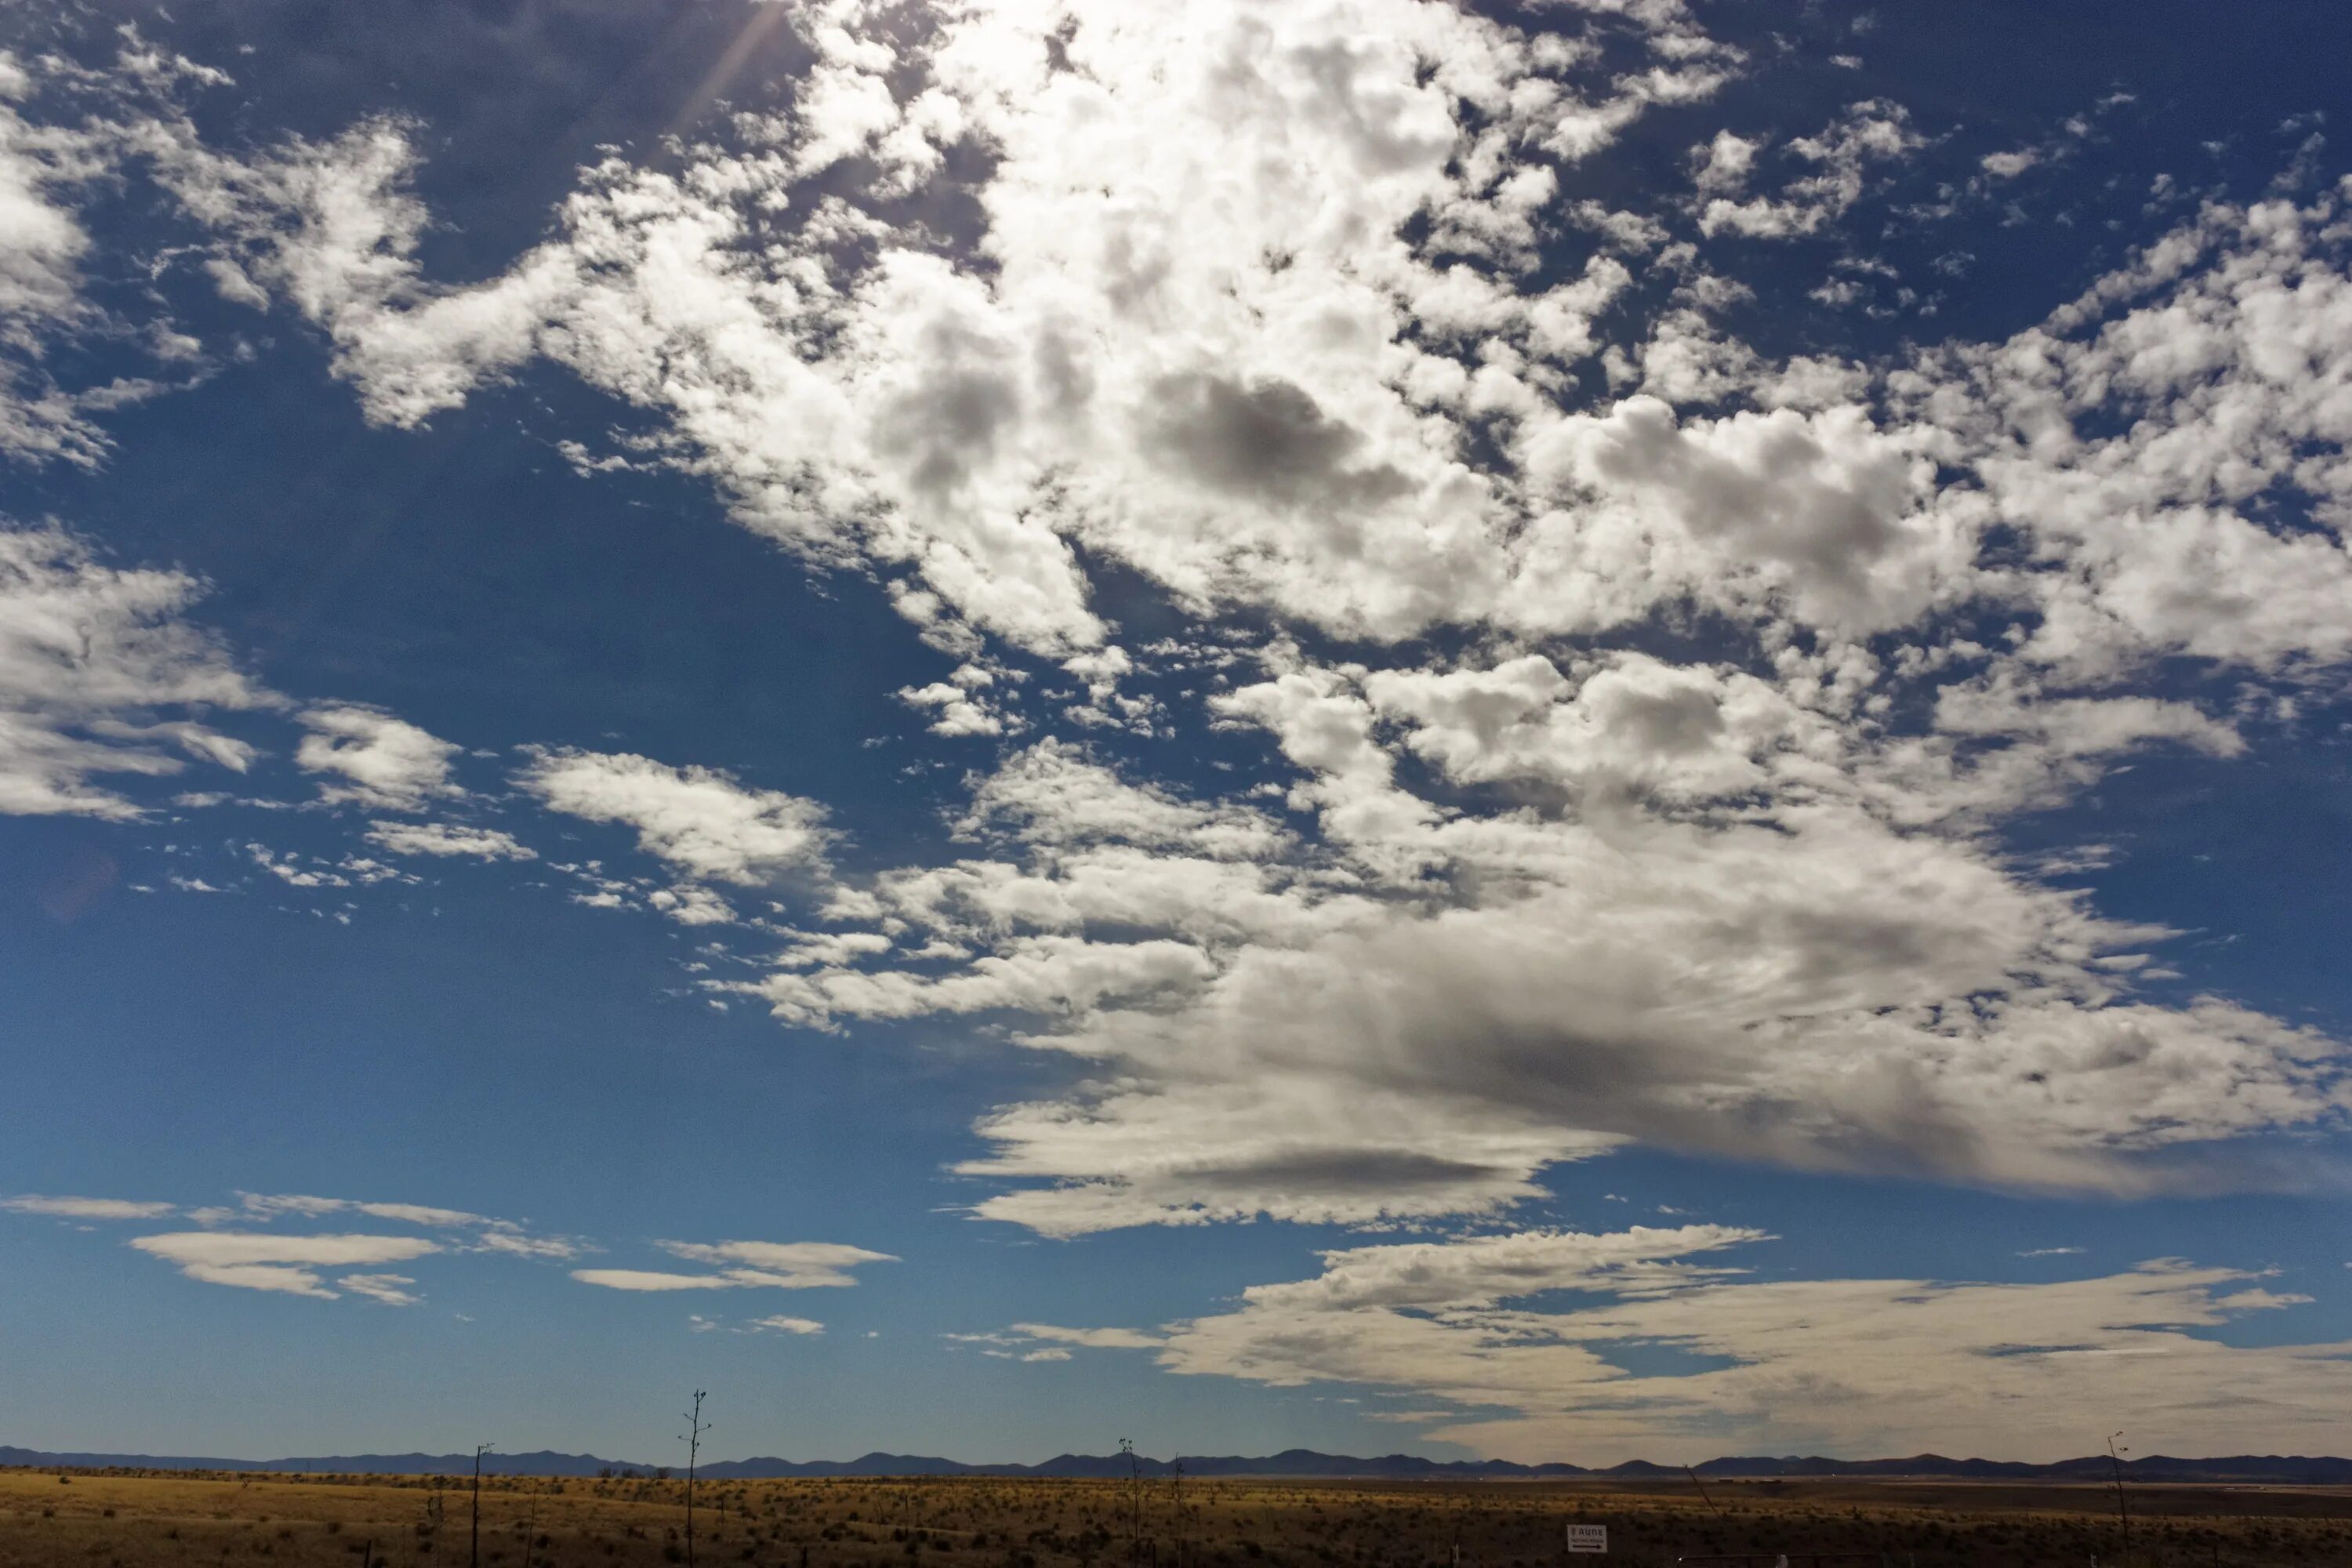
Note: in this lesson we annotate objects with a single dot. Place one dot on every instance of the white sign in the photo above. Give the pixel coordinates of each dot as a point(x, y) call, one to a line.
point(1588, 1538)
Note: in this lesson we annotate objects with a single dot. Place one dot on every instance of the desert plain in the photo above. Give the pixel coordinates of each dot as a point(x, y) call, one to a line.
point(117, 1518)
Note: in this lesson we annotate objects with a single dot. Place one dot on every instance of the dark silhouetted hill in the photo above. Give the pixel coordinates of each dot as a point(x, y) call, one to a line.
point(2270, 1469)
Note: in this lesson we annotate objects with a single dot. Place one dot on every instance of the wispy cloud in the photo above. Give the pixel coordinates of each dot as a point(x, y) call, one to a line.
point(86, 1208)
point(288, 1258)
point(391, 1289)
point(270, 1205)
point(1883, 1365)
point(103, 676)
point(273, 1261)
point(752, 1265)
point(446, 839)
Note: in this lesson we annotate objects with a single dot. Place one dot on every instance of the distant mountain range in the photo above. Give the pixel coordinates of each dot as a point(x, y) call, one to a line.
point(2269, 1467)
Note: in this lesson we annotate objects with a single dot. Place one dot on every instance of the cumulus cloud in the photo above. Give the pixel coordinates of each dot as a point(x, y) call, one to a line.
point(1798, 1365)
point(1838, 160)
point(374, 759)
point(1247, 379)
point(1271, 413)
point(959, 710)
point(2146, 433)
point(1727, 933)
point(1636, 760)
point(1824, 517)
point(1724, 163)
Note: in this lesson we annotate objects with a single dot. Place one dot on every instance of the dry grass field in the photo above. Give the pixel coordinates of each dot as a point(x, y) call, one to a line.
point(153, 1519)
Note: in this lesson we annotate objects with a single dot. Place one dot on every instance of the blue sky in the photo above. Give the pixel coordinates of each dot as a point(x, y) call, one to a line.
point(1609, 730)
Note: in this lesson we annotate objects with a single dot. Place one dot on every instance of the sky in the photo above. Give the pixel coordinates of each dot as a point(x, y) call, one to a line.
point(1611, 728)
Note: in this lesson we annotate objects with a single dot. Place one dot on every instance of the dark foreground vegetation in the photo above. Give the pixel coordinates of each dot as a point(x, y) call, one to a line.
point(130, 1520)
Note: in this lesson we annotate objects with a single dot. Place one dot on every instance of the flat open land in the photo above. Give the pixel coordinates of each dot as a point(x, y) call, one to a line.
point(141, 1520)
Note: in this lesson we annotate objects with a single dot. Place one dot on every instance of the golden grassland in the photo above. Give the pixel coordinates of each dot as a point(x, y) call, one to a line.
point(115, 1519)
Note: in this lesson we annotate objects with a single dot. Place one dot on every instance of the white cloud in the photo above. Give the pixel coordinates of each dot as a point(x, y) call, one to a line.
point(86, 1208)
point(1481, 1270)
point(1092, 1339)
point(99, 674)
point(514, 1243)
point(1702, 858)
point(1181, 406)
point(445, 838)
point(1800, 1365)
point(1054, 796)
point(959, 710)
point(1724, 163)
point(1825, 518)
point(374, 759)
point(2143, 433)
point(796, 1265)
point(65, 134)
point(1840, 156)
point(783, 1325)
point(418, 1214)
point(269, 1205)
point(389, 1289)
point(700, 820)
point(652, 1279)
point(273, 1277)
point(1535, 897)
point(262, 1261)
point(288, 1260)
point(488, 1233)
point(690, 905)
point(1359, 1038)
point(290, 870)
point(756, 1265)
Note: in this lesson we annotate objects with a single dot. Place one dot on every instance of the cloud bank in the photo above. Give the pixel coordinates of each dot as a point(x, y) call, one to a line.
point(1640, 710)
point(1524, 1337)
